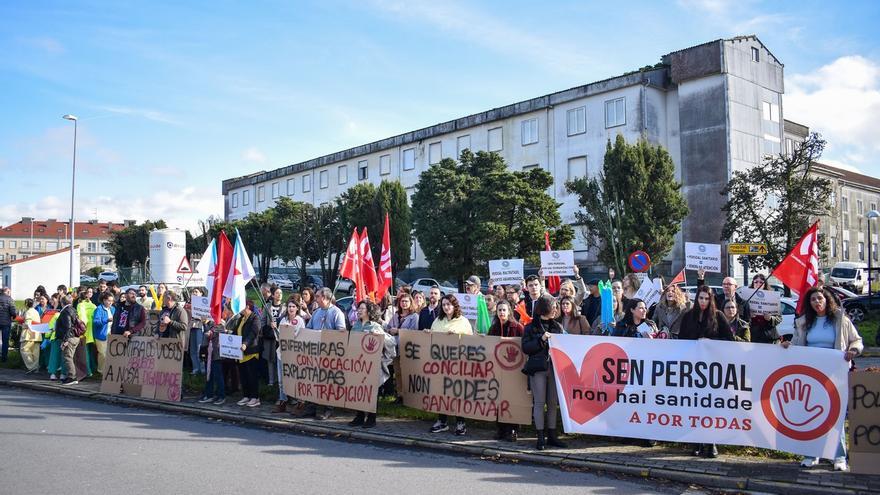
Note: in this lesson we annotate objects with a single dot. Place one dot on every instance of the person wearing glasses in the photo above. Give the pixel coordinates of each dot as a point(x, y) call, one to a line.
point(728, 292)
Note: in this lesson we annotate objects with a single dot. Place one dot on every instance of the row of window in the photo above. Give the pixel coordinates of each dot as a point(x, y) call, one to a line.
point(861, 245)
point(50, 245)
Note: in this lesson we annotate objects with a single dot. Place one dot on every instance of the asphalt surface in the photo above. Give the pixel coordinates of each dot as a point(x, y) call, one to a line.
point(56, 444)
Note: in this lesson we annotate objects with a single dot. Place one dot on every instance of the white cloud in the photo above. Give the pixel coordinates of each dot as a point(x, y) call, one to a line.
point(145, 113)
point(253, 155)
point(841, 101)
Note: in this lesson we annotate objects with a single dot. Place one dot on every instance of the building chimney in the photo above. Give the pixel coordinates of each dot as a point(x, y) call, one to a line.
point(27, 219)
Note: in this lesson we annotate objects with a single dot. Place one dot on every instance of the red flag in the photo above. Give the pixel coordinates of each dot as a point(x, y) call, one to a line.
point(385, 277)
point(368, 269)
point(218, 272)
point(552, 281)
point(800, 269)
point(351, 263)
point(679, 279)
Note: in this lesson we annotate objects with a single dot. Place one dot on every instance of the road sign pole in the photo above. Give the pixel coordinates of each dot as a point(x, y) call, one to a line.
point(746, 272)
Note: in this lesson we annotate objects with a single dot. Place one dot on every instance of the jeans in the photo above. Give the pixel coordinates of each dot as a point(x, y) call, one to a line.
point(195, 342)
point(841, 448)
point(543, 386)
point(5, 329)
point(68, 353)
point(281, 395)
point(215, 387)
point(250, 380)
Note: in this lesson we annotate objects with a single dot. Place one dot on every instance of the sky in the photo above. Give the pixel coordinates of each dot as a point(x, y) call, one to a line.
point(175, 97)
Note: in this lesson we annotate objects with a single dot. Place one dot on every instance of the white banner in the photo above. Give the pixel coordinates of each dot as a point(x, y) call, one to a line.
point(732, 393)
point(761, 302)
point(468, 305)
point(557, 263)
point(506, 272)
point(650, 291)
point(201, 308)
point(706, 256)
point(230, 346)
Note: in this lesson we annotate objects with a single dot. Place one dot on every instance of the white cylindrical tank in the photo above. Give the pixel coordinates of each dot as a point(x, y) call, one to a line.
point(167, 251)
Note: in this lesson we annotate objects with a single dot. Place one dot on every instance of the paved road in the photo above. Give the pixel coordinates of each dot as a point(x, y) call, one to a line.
point(56, 444)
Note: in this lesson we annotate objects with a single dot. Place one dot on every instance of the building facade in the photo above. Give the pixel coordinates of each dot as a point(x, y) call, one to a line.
point(716, 107)
point(30, 237)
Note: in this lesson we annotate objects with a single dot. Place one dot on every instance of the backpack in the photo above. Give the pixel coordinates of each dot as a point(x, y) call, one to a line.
point(77, 327)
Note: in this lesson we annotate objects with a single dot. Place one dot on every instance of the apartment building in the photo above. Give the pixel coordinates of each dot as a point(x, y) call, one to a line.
point(30, 237)
point(716, 107)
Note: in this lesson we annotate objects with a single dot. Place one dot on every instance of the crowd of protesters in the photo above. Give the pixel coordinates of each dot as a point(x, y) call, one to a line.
point(81, 321)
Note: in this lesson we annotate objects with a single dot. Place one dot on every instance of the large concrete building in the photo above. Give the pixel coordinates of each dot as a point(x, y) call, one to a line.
point(31, 237)
point(716, 107)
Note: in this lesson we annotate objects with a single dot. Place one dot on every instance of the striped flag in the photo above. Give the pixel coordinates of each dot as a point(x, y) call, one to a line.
point(385, 276)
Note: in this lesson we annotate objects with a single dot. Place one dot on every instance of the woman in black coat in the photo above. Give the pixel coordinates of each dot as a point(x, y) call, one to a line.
point(541, 379)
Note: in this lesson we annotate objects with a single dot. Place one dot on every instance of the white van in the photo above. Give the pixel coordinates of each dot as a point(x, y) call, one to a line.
point(850, 275)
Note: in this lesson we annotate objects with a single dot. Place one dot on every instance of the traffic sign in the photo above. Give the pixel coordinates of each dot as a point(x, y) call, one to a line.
point(747, 249)
point(639, 261)
point(184, 266)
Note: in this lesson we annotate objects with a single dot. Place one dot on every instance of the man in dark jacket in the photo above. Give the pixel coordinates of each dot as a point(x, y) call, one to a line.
point(592, 305)
point(96, 296)
point(173, 320)
point(7, 314)
point(130, 316)
point(430, 312)
point(728, 292)
point(65, 332)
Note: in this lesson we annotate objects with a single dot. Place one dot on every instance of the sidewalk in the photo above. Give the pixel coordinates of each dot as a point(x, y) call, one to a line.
point(584, 452)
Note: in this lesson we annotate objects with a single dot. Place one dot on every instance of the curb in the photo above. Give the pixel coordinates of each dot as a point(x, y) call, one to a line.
point(496, 454)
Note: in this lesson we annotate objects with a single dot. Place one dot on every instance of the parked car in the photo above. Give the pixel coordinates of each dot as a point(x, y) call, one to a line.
point(859, 307)
point(691, 290)
point(842, 293)
point(312, 281)
point(788, 306)
point(87, 279)
point(344, 286)
point(850, 275)
point(425, 284)
point(344, 303)
point(108, 276)
point(280, 280)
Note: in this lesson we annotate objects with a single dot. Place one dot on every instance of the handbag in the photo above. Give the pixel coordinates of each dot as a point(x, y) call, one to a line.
point(536, 364)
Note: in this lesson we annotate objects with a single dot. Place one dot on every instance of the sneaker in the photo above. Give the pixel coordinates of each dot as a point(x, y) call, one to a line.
point(243, 401)
point(205, 400)
point(810, 462)
point(460, 428)
point(840, 464)
point(324, 416)
point(253, 403)
point(53, 377)
point(280, 407)
point(70, 382)
point(220, 401)
point(439, 426)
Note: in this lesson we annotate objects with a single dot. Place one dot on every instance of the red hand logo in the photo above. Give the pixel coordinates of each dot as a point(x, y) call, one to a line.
point(793, 400)
point(511, 354)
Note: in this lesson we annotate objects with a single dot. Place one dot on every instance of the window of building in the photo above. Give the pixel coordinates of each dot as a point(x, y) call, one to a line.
point(461, 144)
point(92, 260)
point(435, 153)
point(290, 186)
point(789, 146)
point(874, 252)
point(2, 257)
point(756, 54)
point(106, 260)
point(324, 179)
point(384, 164)
point(51, 245)
point(577, 167)
point(342, 174)
point(235, 200)
point(261, 194)
point(526, 168)
point(409, 159)
point(2, 244)
point(25, 244)
point(832, 198)
point(363, 170)
point(845, 250)
point(92, 246)
point(12, 257)
point(873, 206)
point(307, 183)
point(246, 197)
point(529, 131)
point(833, 247)
point(36, 245)
point(496, 141)
point(845, 220)
point(577, 121)
point(861, 251)
point(770, 111)
point(13, 244)
point(844, 204)
point(276, 190)
point(615, 112)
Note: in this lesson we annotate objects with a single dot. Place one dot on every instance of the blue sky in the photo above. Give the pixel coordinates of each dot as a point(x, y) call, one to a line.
point(174, 97)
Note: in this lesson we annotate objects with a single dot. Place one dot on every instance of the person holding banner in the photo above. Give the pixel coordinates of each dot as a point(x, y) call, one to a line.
point(738, 326)
point(327, 316)
point(131, 316)
point(574, 288)
point(825, 325)
point(102, 320)
point(635, 324)
point(570, 316)
point(173, 320)
point(534, 290)
point(248, 329)
point(194, 343)
point(763, 327)
point(542, 382)
point(272, 313)
point(504, 325)
point(369, 321)
point(292, 317)
point(450, 320)
point(669, 311)
point(704, 321)
point(30, 340)
point(215, 386)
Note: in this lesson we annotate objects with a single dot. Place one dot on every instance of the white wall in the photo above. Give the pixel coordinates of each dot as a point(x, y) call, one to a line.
point(49, 271)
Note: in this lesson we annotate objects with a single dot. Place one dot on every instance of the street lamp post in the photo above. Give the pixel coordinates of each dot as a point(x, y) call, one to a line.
point(871, 215)
point(72, 192)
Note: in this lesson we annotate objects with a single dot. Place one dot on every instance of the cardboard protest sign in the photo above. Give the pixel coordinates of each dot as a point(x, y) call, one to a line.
point(332, 368)
point(143, 366)
point(699, 255)
point(864, 422)
point(761, 302)
point(164, 380)
point(650, 291)
point(506, 272)
point(557, 263)
point(230, 346)
point(703, 391)
point(152, 326)
point(201, 307)
point(468, 305)
point(469, 376)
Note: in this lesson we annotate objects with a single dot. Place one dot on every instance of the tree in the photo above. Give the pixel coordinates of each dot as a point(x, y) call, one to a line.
point(132, 244)
point(259, 233)
point(365, 205)
point(634, 203)
point(774, 204)
point(295, 233)
point(476, 210)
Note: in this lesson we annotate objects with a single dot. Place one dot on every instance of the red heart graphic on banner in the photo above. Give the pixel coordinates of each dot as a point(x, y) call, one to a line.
point(583, 410)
